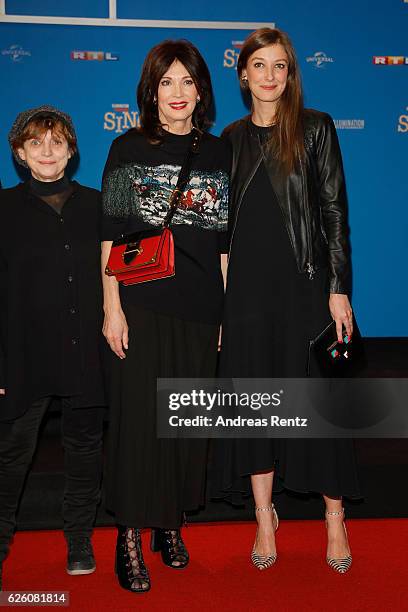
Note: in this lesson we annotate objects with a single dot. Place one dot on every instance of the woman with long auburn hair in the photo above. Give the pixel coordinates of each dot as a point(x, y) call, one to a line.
point(168, 327)
point(288, 275)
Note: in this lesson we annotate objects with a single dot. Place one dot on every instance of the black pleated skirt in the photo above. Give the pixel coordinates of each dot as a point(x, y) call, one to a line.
point(150, 482)
point(270, 346)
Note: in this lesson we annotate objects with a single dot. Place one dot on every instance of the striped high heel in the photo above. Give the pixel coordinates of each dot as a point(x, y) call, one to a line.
point(341, 564)
point(265, 561)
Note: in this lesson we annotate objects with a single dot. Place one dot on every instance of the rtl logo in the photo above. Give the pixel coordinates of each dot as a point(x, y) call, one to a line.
point(98, 56)
point(389, 60)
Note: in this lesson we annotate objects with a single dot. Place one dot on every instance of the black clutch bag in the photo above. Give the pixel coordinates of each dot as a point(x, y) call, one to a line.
point(334, 358)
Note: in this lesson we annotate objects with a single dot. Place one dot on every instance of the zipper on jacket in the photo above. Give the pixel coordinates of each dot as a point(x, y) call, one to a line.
point(310, 270)
point(249, 179)
point(309, 264)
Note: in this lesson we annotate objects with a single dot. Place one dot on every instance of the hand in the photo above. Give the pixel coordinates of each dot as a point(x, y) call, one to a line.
point(2, 392)
point(341, 312)
point(116, 331)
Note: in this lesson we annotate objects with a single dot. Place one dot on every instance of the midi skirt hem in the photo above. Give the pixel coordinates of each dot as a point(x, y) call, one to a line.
point(286, 458)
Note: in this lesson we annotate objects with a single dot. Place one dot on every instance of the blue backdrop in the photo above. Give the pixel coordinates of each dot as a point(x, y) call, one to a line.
point(354, 61)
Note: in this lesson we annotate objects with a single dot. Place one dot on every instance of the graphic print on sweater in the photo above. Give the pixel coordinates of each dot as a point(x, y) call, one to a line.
point(145, 191)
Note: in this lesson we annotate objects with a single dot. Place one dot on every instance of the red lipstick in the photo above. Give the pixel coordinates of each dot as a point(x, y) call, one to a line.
point(178, 105)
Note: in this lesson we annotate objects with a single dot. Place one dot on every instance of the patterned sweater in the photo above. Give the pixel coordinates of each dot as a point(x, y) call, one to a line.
point(138, 181)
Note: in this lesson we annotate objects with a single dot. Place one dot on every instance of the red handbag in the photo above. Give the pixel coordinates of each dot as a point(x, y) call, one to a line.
point(148, 255)
point(142, 257)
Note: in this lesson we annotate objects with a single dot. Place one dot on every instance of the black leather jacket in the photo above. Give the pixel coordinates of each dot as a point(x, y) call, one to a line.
point(313, 199)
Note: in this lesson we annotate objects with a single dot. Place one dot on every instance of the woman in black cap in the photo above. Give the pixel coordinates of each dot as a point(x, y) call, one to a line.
point(50, 322)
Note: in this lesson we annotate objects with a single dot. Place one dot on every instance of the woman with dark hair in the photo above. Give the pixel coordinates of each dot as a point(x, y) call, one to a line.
point(168, 327)
point(289, 211)
point(50, 326)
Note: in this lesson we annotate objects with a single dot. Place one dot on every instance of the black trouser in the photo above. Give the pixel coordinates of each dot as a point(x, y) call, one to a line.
point(82, 441)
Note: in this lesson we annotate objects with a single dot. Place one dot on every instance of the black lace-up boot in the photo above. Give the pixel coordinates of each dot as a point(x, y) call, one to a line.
point(129, 566)
point(170, 543)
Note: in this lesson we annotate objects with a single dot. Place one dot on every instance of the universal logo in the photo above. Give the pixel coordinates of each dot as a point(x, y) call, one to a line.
point(320, 59)
point(16, 53)
point(390, 60)
point(403, 123)
point(231, 55)
point(98, 56)
point(120, 118)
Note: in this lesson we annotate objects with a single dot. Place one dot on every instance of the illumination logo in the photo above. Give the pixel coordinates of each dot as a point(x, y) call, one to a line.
point(231, 55)
point(403, 123)
point(320, 59)
point(98, 56)
point(390, 60)
point(120, 118)
point(349, 124)
point(16, 53)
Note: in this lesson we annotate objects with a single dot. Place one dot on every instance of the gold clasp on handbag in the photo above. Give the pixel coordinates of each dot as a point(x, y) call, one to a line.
point(130, 253)
point(138, 250)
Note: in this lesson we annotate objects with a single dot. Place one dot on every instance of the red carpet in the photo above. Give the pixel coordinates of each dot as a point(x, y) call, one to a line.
point(220, 576)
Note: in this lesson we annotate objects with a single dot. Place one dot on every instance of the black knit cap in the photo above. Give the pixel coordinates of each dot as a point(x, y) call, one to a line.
point(25, 117)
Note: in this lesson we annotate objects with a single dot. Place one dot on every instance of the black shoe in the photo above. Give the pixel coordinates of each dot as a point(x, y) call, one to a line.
point(129, 565)
point(170, 543)
point(81, 559)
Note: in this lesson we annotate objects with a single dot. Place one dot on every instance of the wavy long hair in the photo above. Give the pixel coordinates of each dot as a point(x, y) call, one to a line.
point(288, 143)
point(157, 62)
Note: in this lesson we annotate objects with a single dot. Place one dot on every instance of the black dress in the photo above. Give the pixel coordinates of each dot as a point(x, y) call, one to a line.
point(173, 323)
point(271, 313)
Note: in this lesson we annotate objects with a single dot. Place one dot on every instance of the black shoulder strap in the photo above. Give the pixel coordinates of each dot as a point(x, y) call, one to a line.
point(183, 177)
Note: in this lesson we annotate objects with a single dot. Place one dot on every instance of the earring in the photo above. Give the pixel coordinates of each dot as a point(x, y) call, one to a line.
point(198, 99)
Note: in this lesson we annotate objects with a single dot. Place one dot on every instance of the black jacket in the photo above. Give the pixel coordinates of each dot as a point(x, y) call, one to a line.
point(313, 198)
point(50, 300)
